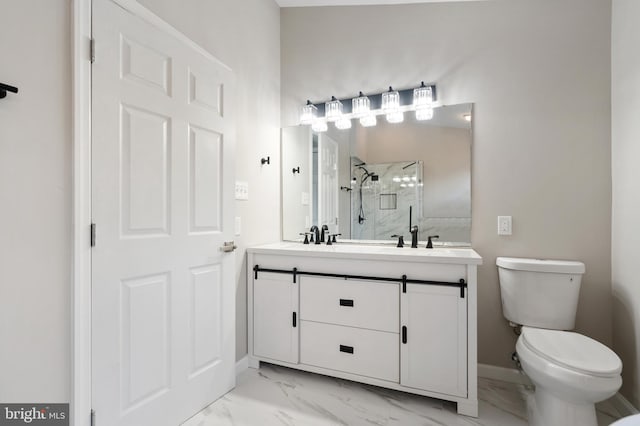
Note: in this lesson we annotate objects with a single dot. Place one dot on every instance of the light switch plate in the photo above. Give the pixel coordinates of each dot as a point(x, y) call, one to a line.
point(504, 225)
point(305, 198)
point(238, 225)
point(242, 190)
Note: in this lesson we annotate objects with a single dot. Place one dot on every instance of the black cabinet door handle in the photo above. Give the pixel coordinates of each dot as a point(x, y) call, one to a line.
point(404, 334)
point(346, 302)
point(295, 320)
point(346, 349)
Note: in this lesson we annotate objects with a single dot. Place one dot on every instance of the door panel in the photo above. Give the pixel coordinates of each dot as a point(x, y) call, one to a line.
point(163, 294)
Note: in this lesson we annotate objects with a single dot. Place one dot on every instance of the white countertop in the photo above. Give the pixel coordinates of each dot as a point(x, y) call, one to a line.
point(465, 256)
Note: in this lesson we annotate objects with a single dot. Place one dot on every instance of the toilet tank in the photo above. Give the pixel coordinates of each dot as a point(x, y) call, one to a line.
point(540, 293)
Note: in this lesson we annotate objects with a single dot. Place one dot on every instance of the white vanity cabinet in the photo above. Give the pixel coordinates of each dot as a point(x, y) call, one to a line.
point(399, 318)
point(275, 321)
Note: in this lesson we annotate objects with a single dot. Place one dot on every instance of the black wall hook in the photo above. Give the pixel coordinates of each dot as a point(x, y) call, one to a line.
point(264, 161)
point(4, 88)
point(296, 170)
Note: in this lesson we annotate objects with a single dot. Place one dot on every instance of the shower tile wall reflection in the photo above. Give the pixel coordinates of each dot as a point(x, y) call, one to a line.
point(384, 195)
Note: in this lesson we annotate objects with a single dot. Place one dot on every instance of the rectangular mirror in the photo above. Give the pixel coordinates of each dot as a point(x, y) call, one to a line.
point(365, 182)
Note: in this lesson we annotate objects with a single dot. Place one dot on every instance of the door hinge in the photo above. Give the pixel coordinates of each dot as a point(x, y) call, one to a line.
point(92, 50)
point(93, 418)
point(93, 235)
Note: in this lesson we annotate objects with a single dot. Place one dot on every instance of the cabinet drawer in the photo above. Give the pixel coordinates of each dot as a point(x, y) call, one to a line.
point(365, 304)
point(351, 350)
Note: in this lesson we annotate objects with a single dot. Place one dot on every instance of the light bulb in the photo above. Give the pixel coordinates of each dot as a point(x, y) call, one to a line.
point(467, 117)
point(396, 179)
point(395, 117)
point(343, 123)
point(424, 114)
point(319, 126)
point(406, 178)
point(368, 121)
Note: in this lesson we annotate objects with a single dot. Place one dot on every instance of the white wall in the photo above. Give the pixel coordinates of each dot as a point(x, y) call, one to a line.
point(35, 170)
point(35, 202)
point(625, 156)
point(538, 73)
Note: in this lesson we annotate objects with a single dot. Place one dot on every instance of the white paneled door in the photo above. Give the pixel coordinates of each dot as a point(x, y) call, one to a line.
point(163, 291)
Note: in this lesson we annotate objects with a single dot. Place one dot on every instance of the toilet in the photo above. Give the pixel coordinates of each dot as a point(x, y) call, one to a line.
point(571, 372)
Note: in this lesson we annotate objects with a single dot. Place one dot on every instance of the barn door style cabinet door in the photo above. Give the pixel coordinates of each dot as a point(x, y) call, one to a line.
point(397, 318)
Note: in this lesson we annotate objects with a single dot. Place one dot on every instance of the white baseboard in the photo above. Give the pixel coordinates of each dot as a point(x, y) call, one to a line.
point(623, 405)
point(242, 364)
point(510, 375)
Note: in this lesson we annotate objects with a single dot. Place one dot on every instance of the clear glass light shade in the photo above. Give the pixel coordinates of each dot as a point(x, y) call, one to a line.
point(319, 126)
point(395, 117)
point(333, 110)
point(424, 114)
point(343, 124)
point(422, 96)
point(368, 121)
point(308, 113)
point(390, 101)
point(360, 106)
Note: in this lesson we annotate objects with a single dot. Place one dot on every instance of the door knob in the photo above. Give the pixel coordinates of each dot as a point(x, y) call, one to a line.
point(228, 246)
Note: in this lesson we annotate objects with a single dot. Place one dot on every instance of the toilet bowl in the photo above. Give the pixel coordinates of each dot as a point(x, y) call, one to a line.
point(628, 421)
point(571, 372)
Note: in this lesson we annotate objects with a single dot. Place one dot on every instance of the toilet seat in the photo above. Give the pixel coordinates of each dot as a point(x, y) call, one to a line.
point(572, 351)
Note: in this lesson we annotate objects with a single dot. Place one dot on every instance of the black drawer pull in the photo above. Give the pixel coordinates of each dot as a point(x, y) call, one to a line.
point(404, 334)
point(295, 319)
point(346, 349)
point(346, 302)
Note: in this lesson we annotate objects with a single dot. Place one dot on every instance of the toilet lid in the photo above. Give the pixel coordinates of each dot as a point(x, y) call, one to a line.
point(573, 351)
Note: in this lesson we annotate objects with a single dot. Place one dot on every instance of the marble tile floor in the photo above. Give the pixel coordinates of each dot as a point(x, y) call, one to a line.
point(279, 396)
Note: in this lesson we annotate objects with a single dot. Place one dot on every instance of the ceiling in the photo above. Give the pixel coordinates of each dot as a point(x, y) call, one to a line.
point(305, 3)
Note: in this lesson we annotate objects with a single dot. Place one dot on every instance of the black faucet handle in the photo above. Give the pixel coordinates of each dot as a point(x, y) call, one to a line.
point(306, 237)
point(333, 237)
point(429, 242)
point(400, 239)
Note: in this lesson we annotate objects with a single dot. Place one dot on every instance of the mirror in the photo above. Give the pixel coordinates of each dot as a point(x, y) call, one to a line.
point(368, 183)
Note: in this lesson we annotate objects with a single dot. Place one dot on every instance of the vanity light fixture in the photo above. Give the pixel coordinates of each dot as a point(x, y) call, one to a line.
point(309, 113)
point(392, 103)
point(360, 106)
point(422, 101)
point(333, 109)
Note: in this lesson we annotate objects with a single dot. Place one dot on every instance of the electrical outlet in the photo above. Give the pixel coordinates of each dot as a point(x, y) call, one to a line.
point(242, 190)
point(504, 225)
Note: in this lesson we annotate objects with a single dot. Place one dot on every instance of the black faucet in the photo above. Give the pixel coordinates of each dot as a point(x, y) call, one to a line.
point(413, 229)
point(429, 242)
point(324, 228)
point(414, 236)
point(400, 240)
point(315, 232)
point(306, 237)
